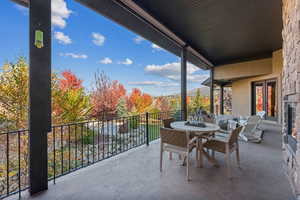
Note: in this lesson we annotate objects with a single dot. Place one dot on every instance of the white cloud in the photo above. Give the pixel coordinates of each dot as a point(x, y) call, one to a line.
point(127, 61)
point(22, 9)
point(106, 60)
point(60, 13)
point(156, 47)
point(138, 39)
point(98, 39)
point(154, 83)
point(62, 38)
point(172, 71)
point(74, 55)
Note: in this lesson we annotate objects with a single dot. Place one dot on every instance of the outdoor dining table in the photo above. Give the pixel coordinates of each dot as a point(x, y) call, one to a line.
point(200, 132)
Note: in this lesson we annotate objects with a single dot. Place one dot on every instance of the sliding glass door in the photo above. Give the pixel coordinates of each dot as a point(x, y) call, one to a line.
point(264, 98)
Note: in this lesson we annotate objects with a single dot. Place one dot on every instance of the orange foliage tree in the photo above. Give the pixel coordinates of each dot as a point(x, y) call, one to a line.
point(69, 81)
point(138, 102)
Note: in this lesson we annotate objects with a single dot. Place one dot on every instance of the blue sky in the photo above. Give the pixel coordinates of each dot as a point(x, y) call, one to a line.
point(85, 42)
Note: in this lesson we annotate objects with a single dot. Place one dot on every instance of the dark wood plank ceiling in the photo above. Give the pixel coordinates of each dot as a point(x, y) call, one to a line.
point(222, 31)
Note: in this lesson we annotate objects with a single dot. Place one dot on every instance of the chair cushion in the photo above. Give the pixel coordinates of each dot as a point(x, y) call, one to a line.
point(215, 145)
point(223, 124)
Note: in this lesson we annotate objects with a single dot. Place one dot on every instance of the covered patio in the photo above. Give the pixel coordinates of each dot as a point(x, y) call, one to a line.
point(207, 34)
point(135, 175)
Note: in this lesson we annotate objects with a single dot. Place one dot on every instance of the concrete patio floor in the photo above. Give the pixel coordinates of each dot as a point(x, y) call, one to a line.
point(135, 175)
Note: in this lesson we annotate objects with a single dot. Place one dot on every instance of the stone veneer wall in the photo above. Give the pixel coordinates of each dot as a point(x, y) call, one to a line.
point(291, 84)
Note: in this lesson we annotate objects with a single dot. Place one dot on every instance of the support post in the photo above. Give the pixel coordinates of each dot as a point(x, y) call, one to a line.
point(212, 90)
point(39, 92)
point(183, 83)
point(222, 99)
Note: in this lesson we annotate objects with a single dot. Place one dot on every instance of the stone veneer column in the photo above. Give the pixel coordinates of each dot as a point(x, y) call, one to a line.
point(291, 84)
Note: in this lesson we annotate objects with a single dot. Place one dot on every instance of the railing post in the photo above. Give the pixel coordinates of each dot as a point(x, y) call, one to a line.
point(147, 128)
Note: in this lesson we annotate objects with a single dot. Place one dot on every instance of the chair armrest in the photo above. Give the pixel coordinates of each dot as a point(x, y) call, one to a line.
point(194, 139)
point(223, 131)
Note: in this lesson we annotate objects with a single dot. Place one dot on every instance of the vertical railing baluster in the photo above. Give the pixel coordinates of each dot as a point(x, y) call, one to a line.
point(98, 139)
point(82, 149)
point(147, 128)
point(125, 125)
point(88, 142)
point(138, 131)
point(130, 130)
point(61, 149)
point(19, 163)
point(75, 130)
point(135, 132)
point(54, 157)
point(103, 139)
point(107, 138)
point(118, 135)
point(115, 136)
point(69, 145)
point(7, 164)
point(156, 121)
point(112, 136)
point(132, 133)
point(93, 142)
point(126, 134)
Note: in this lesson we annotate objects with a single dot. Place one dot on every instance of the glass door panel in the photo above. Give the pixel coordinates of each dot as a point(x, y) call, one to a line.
point(264, 98)
point(271, 99)
point(259, 100)
point(258, 97)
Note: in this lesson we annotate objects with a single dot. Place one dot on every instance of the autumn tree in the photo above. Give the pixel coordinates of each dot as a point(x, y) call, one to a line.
point(14, 93)
point(162, 103)
point(105, 96)
point(138, 102)
point(70, 102)
point(14, 112)
point(70, 81)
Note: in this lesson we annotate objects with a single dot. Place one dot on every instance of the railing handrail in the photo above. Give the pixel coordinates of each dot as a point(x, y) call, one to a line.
point(87, 121)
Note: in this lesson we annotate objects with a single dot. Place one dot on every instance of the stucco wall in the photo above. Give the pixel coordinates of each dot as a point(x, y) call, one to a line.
point(241, 89)
point(244, 69)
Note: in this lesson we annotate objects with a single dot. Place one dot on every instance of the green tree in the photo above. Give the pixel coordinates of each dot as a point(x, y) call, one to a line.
point(197, 100)
point(14, 93)
point(122, 108)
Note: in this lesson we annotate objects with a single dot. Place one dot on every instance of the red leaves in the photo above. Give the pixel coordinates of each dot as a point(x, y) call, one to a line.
point(69, 81)
point(106, 95)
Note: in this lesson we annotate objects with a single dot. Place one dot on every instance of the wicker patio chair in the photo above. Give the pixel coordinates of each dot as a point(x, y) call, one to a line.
point(177, 142)
point(167, 122)
point(226, 146)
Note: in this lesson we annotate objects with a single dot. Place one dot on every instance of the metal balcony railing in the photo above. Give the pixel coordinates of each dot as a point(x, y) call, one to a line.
point(75, 145)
